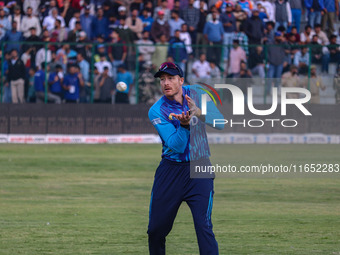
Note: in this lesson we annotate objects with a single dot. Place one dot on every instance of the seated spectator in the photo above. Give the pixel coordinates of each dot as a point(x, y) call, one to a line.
point(147, 20)
point(55, 81)
point(292, 80)
point(29, 21)
point(122, 97)
point(334, 49)
point(201, 68)
point(294, 32)
point(256, 62)
point(42, 93)
point(100, 25)
point(283, 14)
point(73, 80)
point(146, 48)
point(237, 55)
point(292, 48)
point(160, 27)
point(117, 52)
point(301, 60)
point(319, 54)
point(314, 83)
point(135, 24)
point(322, 37)
point(163, 7)
point(177, 50)
point(215, 72)
point(175, 22)
point(49, 21)
point(107, 85)
point(186, 38)
point(306, 36)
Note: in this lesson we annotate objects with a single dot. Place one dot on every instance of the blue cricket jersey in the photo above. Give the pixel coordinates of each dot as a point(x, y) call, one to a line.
point(180, 144)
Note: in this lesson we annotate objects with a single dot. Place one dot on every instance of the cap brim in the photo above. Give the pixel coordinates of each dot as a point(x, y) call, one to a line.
point(168, 71)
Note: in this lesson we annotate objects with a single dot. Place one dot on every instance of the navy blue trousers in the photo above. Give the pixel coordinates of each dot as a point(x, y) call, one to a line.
point(172, 186)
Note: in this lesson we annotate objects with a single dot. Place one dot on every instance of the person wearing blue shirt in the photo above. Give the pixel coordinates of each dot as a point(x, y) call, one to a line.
point(332, 7)
point(315, 10)
point(55, 81)
point(13, 36)
point(100, 25)
point(147, 20)
point(122, 97)
point(72, 83)
point(86, 21)
point(177, 50)
point(182, 149)
point(39, 87)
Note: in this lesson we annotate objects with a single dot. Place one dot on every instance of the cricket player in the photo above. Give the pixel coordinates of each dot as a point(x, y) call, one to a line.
point(171, 116)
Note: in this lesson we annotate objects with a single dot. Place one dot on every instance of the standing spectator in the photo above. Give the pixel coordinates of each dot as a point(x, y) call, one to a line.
point(200, 40)
point(106, 84)
point(315, 10)
point(164, 8)
point(13, 36)
point(283, 14)
point(229, 24)
point(291, 80)
point(122, 97)
point(160, 27)
point(73, 20)
point(146, 48)
point(191, 17)
point(315, 84)
point(147, 87)
point(31, 90)
point(253, 28)
point(5, 25)
point(29, 21)
point(49, 21)
point(17, 16)
point(276, 58)
point(55, 81)
point(102, 63)
point(175, 22)
point(242, 39)
point(16, 77)
point(240, 16)
point(268, 6)
point(296, 8)
point(41, 56)
point(334, 50)
point(117, 52)
point(72, 83)
point(125, 32)
point(60, 33)
point(330, 15)
point(269, 33)
point(177, 50)
point(161, 52)
point(39, 87)
point(185, 37)
point(256, 62)
point(213, 32)
point(33, 4)
point(201, 68)
point(74, 34)
point(84, 66)
point(100, 25)
point(306, 36)
point(246, 6)
point(221, 5)
point(135, 24)
point(237, 55)
point(147, 20)
point(301, 60)
point(336, 86)
point(86, 21)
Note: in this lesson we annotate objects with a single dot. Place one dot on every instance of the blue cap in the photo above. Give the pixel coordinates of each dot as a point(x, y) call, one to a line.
point(278, 34)
point(169, 68)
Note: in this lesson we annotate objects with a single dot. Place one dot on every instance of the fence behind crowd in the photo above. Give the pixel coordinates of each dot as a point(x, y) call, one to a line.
point(86, 72)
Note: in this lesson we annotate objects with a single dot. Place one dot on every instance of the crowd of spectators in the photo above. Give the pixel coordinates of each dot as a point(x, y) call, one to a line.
point(231, 38)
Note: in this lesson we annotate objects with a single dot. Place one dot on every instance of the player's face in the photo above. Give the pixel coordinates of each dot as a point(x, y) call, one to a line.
point(171, 85)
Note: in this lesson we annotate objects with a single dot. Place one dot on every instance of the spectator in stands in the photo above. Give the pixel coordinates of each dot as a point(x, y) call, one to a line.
point(73, 80)
point(314, 83)
point(106, 84)
point(125, 32)
point(276, 58)
point(5, 25)
point(242, 39)
point(160, 27)
point(306, 36)
point(29, 21)
point(65, 56)
point(161, 52)
point(240, 16)
point(262, 13)
point(74, 34)
point(215, 72)
point(295, 33)
point(16, 77)
point(31, 90)
point(39, 86)
point(135, 24)
point(122, 97)
point(269, 33)
point(330, 16)
point(201, 68)
point(319, 54)
point(200, 40)
point(59, 32)
point(186, 38)
point(291, 49)
point(49, 21)
point(147, 20)
point(177, 50)
point(334, 49)
point(100, 25)
point(268, 6)
point(322, 37)
point(291, 79)
point(117, 52)
point(254, 28)
point(148, 89)
point(33, 4)
point(221, 5)
point(102, 63)
point(175, 22)
point(301, 60)
point(229, 25)
point(283, 14)
point(256, 62)
point(86, 21)
point(12, 36)
point(315, 10)
point(237, 55)
point(163, 7)
point(55, 81)
point(296, 9)
point(84, 66)
point(246, 6)
point(16, 16)
point(145, 48)
point(213, 32)
point(73, 20)
point(336, 86)
point(191, 17)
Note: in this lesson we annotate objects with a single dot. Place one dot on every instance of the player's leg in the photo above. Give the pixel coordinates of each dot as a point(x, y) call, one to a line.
point(200, 200)
point(166, 197)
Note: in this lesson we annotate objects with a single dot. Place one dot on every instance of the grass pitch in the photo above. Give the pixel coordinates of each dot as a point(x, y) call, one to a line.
point(94, 199)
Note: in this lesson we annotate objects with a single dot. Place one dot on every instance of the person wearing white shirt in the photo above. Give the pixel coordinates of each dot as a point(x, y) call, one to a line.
point(201, 68)
point(16, 17)
point(102, 63)
point(186, 38)
point(49, 20)
point(29, 21)
point(269, 9)
point(175, 22)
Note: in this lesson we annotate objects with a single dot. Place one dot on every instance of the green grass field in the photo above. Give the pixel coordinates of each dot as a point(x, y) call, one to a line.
point(94, 199)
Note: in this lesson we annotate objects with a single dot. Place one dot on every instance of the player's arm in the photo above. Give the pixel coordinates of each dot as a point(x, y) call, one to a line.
point(175, 139)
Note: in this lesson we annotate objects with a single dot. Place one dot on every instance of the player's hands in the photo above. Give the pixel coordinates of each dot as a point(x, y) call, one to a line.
point(183, 118)
point(194, 110)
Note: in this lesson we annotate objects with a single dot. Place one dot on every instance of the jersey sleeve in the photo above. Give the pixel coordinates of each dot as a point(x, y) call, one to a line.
point(174, 138)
